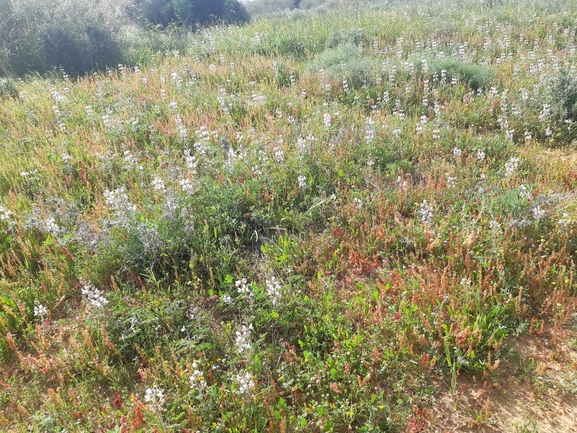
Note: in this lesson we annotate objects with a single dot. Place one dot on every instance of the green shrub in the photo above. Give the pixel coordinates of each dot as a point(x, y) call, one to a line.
point(352, 36)
point(562, 94)
point(344, 62)
point(8, 88)
point(298, 14)
point(80, 48)
point(476, 76)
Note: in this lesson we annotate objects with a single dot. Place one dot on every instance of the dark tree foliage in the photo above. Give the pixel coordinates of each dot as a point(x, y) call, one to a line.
point(193, 12)
point(160, 12)
point(78, 36)
point(80, 48)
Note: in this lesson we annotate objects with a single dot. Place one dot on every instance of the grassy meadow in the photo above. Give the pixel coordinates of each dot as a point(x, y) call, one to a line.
point(316, 222)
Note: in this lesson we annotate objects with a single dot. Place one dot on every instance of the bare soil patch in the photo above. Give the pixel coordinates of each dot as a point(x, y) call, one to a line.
point(534, 390)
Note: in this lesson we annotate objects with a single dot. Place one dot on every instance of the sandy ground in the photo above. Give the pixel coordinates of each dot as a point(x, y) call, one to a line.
point(534, 390)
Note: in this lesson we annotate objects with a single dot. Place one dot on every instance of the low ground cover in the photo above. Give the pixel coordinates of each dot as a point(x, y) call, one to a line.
point(304, 224)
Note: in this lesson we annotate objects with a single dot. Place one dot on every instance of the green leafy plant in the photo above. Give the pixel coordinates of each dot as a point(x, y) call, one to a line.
point(8, 88)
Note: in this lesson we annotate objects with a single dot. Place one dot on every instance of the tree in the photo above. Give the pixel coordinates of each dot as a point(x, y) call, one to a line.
point(160, 12)
point(235, 12)
point(193, 12)
point(77, 35)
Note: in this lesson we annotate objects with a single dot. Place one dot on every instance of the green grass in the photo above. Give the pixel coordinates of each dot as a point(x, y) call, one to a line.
point(296, 225)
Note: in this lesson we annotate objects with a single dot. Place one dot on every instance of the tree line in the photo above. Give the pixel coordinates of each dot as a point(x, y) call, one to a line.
point(79, 36)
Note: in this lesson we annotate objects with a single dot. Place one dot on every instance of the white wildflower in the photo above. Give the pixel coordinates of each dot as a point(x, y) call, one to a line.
point(327, 120)
point(187, 185)
point(93, 296)
point(197, 380)
point(243, 339)
point(403, 184)
point(154, 397)
point(117, 201)
point(565, 221)
point(181, 127)
point(5, 214)
point(524, 192)
point(40, 311)
point(496, 228)
point(511, 166)
point(302, 180)
point(278, 154)
point(539, 213)
point(130, 159)
point(246, 384)
point(49, 226)
point(158, 184)
point(273, 289)
point(57, 96)
point(426, 212)
point(243, 287)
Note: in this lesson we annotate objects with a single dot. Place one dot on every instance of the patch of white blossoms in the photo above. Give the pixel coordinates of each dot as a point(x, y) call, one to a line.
point(511, 166)
point(457, 153)
point(245, 383)
point(302, 180)
point(49, 225)
point(273, 289)
point(93, 296)
point(158, 184)
point(242, 287)
point(538, 213)
point(154, 397)
point(426, 212)
point(117, 201)
point(5, 214)
point(496, 228)
point(243, 339)
point(197, 381)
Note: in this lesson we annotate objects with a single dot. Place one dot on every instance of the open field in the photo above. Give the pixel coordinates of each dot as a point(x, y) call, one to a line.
point(348, 220)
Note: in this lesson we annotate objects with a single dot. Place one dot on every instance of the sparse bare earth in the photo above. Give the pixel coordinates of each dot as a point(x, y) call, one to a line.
point(534, 390)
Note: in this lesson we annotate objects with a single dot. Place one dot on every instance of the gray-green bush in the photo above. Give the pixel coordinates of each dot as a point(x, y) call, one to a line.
point(344, 62)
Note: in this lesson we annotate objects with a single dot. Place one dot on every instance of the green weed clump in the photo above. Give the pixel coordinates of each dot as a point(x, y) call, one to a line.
point(8, 88)
point(312, 224)
point(344, 62)
point(475, 76)
point(562, 94)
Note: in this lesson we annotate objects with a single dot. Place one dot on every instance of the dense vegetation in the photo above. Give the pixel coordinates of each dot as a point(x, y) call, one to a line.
point(315, 222)
point(81, 36)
